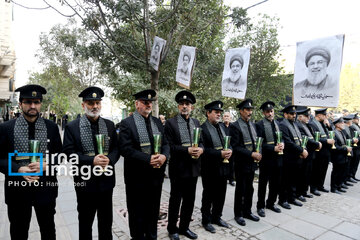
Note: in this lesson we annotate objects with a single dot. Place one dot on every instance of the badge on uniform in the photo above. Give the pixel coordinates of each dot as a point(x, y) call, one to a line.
point(149, 96)
point(94, 95)
point(33, 94)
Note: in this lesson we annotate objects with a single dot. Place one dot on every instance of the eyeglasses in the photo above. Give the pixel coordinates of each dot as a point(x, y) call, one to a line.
point(29, 102)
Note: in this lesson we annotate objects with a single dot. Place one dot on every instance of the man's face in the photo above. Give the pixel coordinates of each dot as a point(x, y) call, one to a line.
point(269, 114)
point(235, 66)
point(349, 123)
point(303, 119)
point(92, 108)
point(341, 126)
point(356, 120)
point(226, 117)
point(317, 69)
point(246, 113)
point(290, 116)
point(157, 49)
point(214, 116)
point(321, 117)
point(185, 108)
point(30, 107)
point(143, 107)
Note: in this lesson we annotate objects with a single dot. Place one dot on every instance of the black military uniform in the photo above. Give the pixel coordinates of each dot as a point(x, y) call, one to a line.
point(349, 135)
point(292, 160)
point(183, 169)
point(243, 139)
point(339, 160)
point(270, 166)
point(79, 138)
point(20, 195)
point(214, 171)
point(311, 146)
point(356, 151)
point(322, 158)
point(143, 182)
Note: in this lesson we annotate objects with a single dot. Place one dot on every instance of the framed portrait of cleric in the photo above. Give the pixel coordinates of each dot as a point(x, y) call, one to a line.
point(234, 79)
point(185, 66)
point(317, 72)
point(156, 52)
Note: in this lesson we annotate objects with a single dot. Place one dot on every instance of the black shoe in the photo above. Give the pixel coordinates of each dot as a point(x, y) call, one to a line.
point(240, 221)
point(344, 186)
point(308, 195)
point(208, 227)
point(352, 180)
point(341, 190)
point(252, 217)
point(189, 234)
point(348, 184)
point(335, 191)
point(285, 205)
point(301, 198)
point(232, 183)
point(296, 203)
point(174, 236)
point(261, 212)
point(316, 192)
point(221, 223)
point(274, 208)
point(322, 189)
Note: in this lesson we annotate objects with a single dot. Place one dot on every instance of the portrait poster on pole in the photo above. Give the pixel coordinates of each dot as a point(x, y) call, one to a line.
point(156, 52)
point(317, 72)
point(186, 63)
point(234, 79)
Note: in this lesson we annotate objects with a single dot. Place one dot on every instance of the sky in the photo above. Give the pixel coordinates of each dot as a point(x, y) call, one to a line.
point(300, 20)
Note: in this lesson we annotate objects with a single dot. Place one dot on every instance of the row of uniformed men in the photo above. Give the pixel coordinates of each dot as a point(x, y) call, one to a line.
point(144, 169)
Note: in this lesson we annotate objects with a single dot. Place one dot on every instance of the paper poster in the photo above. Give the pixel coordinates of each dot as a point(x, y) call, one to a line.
point(185, 66)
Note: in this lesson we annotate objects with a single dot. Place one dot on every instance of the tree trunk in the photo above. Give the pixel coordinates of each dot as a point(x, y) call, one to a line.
point(155, 86)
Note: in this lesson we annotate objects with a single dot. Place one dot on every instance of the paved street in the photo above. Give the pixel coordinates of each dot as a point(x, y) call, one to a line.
point(329, 216)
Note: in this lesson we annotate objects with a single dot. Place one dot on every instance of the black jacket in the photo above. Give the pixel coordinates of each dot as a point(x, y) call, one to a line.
point(291, 151)
point(339, 155)
point(72, 144)
point(137, 166)
point(181, 165)
point(47, 190)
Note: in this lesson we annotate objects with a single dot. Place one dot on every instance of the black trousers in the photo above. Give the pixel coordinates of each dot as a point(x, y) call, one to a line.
point(355, 162)
point(291, 178)
point(244, 191)
point(213, 197)
point(19, 215)
point(303, 182)
point(337, 175)
point(143, 203)
point(320, 166)
point(182, 194)
point(89, 204)
point(268, 175)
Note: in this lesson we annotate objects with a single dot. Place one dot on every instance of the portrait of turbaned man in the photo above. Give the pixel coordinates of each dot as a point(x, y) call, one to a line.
point(156, 52)
point(185, 66)
point(234, 80)
point(317, 72)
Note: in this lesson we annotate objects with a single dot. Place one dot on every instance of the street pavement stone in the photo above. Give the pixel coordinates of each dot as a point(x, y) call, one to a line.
point(330, 216)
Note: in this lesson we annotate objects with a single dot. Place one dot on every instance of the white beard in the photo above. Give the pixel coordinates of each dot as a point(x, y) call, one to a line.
point(316, 77)
point(235, 76)
point(91, 114)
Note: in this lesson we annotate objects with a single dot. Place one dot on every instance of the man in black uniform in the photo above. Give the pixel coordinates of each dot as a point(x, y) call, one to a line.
point(214, 169)
point(271, 162)
point(322, 158)
point(356, 150)
point(184, 166)
point(348, 120)
point(98, 181)
point(24, 192)
point(294, 156)
point(243, 140)
point(311, 146)
point(137, 145)
point(339, 158)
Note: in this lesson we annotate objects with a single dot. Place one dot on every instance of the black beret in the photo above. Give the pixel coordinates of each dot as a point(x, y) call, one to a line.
point(247, 103)
point(31, 91)
point(185, 96)
point(267, 105)
point(92, 93)
point(145, 95)
point(321, 111)
point(317, 51)
point(237, 57)
point(215, 105)
point(348, 117)
point(302, 110)
point(289, 109)
point(338, 120)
